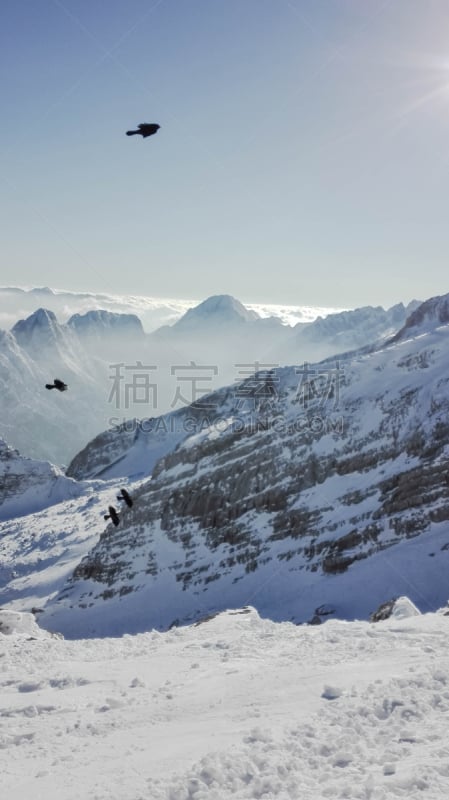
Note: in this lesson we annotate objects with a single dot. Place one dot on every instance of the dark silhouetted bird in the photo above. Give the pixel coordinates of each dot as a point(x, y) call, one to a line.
point(112, 515)
point(144, 129)
point(125, 496)
point(57, 384)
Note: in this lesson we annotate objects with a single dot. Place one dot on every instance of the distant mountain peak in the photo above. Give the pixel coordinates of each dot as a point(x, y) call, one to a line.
point(42, 290)
point(99, 321)
point(221, 308)
point(40, 327)
point(42, 316)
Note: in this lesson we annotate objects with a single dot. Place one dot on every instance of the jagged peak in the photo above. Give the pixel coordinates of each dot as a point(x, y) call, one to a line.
point(41, 318)
point(41, 327)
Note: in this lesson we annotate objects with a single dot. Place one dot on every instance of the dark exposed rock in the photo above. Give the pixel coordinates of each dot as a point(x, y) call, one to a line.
point(384, 611)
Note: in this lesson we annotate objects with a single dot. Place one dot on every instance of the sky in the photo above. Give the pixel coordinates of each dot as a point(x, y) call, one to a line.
point(303, 154)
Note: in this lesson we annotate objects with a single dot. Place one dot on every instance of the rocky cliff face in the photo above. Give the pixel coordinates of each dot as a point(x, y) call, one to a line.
point(427, 316)
point(287, 499)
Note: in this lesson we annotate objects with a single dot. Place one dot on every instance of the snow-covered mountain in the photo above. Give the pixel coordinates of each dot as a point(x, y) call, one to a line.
point(222, 332)
point(40, 331)
point(128, 446)
point(96, 324)
point(223, 327)
point(343, 331)
point(133, 448)
point(17, 302)
point(116, 372)
point(27, 485)
point(98, 355)
point(427, 316)
point(218, 310)
point(302, 493)
point(42, 424)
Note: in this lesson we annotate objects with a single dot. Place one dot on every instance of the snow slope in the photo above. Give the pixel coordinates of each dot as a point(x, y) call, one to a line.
point(28, 485)
point(40, 550)
point(237, 707)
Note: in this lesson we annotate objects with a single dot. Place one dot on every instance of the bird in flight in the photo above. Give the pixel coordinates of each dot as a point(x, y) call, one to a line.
point(113, 516)
point(125, 496)
point(57, 384)
point(144, 129)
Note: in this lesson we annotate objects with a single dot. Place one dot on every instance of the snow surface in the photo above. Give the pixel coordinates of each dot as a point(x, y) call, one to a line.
point(236, 707)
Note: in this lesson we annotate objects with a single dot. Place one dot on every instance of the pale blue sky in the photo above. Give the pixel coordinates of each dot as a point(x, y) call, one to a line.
point(303, 155)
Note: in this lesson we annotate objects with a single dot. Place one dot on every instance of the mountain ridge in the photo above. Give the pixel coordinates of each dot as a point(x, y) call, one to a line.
point(289, 482)
point(117, 372)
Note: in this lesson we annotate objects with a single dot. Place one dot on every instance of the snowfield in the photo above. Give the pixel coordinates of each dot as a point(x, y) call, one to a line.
point(235, 707)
